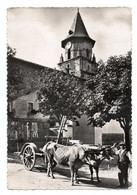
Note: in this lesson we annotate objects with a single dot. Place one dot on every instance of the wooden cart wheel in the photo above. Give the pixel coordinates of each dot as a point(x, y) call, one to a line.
point(29, 157)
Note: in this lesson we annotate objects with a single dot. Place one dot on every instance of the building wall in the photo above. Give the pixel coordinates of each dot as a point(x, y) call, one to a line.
point(73, 66)
point(20, 106)
point(84, 132)
point(87, 67)
point(112, 127)
point(80, 67)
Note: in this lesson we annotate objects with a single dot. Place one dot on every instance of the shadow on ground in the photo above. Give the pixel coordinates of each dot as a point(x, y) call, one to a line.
point(84, 178)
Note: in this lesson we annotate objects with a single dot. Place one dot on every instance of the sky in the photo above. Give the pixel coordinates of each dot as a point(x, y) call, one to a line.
point(36, 33)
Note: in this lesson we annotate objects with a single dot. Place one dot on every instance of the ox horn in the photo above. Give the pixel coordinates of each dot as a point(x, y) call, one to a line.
point(114, 145)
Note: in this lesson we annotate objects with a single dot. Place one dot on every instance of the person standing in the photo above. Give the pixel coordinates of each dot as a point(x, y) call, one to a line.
point(124, 160)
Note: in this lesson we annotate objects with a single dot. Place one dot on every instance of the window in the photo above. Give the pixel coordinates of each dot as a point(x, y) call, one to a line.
point(69, 54)
point(68, 68)
point(87, 52)
point(30, 107)
point(111, 138)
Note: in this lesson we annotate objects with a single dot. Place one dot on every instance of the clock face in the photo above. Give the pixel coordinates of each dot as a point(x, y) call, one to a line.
point(68, 45)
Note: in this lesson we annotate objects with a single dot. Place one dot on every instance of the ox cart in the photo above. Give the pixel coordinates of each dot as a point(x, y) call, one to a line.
point(31, 155)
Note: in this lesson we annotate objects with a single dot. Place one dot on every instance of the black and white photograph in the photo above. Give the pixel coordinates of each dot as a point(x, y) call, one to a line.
point(69, 98)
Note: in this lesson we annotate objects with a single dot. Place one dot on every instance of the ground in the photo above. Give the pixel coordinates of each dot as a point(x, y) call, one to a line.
point(20, 178)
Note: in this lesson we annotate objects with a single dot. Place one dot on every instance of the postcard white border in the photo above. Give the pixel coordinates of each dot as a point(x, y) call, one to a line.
point(3, 117)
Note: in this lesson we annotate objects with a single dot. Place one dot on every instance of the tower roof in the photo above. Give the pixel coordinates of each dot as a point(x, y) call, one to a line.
point(77, 30)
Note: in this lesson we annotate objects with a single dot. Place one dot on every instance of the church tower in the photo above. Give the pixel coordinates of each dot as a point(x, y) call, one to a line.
point(78, 58)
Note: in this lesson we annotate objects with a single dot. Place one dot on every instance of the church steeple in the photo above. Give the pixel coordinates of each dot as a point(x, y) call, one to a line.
point(78, 46)
point(77, 30)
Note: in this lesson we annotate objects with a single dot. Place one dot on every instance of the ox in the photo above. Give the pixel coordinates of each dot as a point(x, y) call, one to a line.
point(96, 156)
point(74, 156)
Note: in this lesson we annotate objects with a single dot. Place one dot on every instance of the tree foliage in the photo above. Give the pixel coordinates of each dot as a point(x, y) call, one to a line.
point(15, 76)
point(11, 51)
point(19, 80)
point(60, 94)
point(109, 93)
point(103, 97)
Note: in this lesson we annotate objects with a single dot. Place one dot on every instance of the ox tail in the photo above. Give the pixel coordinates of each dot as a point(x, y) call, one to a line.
point(44, 149)
point(46, 154)
point(49, 162)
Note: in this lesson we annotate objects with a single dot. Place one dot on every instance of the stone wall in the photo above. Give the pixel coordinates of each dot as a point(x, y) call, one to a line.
point(79, 66)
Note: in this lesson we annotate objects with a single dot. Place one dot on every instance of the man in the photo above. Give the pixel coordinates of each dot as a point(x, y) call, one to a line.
point(124, 160)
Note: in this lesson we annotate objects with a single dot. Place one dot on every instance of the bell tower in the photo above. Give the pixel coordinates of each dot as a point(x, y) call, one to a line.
point(78, 57)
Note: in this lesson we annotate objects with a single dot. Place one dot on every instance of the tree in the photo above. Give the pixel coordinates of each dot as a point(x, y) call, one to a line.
point(19, 80)
point(11, 51)
point(60, 94)
point(109, 94)
point(15, 76)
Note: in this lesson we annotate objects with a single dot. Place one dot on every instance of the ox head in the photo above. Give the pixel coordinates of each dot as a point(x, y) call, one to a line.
point(104, 153)
point(88, 159)
point(118, 145)
point(95, 154)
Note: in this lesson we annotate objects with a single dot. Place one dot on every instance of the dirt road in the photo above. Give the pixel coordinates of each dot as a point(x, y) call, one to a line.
point(19, 178)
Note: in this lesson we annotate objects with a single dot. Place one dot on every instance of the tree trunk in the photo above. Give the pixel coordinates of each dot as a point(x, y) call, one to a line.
point(126, 126)
point(127, 139)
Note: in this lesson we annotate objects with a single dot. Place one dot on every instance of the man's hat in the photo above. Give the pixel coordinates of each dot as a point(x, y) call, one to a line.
point(122, 144)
